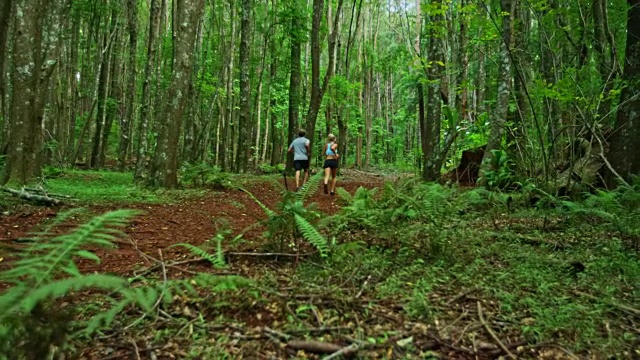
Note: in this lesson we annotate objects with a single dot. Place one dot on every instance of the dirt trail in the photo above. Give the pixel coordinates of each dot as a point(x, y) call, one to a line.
point(193, 221)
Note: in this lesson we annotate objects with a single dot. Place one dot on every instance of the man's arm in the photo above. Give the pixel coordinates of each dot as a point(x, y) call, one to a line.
point(308, 146)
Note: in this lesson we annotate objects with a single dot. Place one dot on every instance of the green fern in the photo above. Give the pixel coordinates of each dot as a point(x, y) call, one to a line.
point(267, 211)
point(312, 235)
point(310, 188)
point(344, 195)
point(217, 259)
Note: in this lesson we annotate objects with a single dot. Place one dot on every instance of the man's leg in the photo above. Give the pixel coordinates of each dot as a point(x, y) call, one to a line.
point(306, 176)
point(297, 179)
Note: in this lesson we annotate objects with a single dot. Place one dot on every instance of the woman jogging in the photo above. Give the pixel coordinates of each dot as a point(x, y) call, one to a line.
point(330, 151)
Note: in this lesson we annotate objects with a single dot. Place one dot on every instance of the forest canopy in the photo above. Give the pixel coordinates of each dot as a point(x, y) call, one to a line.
point(544, 90)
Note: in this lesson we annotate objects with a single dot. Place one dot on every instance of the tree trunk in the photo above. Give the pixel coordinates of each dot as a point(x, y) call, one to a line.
point(103, 90)
point(164, 171)
point(504, 86)
point(145, 111)
point(244, 118)
point(5, 13)
point(127, 120)
point(226, 138)
point(294, 79)
point(625, 147)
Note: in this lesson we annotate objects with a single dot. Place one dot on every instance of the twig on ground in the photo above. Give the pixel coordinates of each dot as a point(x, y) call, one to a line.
point(344, 351)
point(135, 348)
point(278, 334)
point(571, 355)
point(465, 313)
point(493, 334)
point(451, 346)
point(126, 355)
point(160, 297)
point(467, 328)
point(268, 254)
point(461, 295)
point(319, 330)
point(366, 281)
point(623, 307)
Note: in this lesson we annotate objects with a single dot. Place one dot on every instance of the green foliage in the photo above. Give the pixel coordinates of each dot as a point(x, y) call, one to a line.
point(617, 210)
point(88, 186)
point(500, 176)
point(204, 174)
point(46, 271)
point(292, 218)
point(217, 259)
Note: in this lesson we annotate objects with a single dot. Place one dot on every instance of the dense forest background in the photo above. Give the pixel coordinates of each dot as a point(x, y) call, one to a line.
point(545, 89)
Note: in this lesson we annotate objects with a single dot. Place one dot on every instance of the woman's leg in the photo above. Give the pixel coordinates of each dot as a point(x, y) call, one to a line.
point(334, 176)
point(327, 172)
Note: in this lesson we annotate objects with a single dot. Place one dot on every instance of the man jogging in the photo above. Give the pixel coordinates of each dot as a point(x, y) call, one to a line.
point(301, 148)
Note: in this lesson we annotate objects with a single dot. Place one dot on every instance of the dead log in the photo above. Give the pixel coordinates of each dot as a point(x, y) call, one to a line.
point(39, 199)
point(315, 347)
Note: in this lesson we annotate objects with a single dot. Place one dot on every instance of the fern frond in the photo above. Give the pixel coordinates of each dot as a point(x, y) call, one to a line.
point(344, 195)
point(216, 259)
point(46, 258)
point(60, 218)
point(312, 235)
point(30, 297)
point(310, 188)
point(267, 211)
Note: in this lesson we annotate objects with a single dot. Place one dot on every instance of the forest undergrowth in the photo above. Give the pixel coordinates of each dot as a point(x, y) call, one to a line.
point(403, 271)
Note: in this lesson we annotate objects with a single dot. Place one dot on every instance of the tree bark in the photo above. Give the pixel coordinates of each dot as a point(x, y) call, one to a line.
point(145, 111)
point(625, 147)
point(127, 120)
point(244, 118)
point(504, 88)
point(37, 40)
point(5, 13)
point(295, 75)
point(164, 171)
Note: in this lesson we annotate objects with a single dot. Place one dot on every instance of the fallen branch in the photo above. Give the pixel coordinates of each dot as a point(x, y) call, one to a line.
point(363, 286)
point(316, 347)
point(344, 351)
point(41, 199)
point(461, 295)
point(320, 330)
point(268, 254)
point(44, 192)
point(623, 307)
point(493, 334)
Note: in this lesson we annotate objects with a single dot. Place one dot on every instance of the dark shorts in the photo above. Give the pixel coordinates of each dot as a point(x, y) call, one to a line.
point(300, 164)
point(331, 164)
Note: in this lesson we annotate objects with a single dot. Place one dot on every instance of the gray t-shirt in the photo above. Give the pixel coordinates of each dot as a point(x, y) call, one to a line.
point(299, 146)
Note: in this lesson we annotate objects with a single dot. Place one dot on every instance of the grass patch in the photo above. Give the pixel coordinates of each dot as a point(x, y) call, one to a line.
point(95, 187)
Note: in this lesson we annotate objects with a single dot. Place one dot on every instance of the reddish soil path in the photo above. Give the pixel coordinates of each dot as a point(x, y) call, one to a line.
point(192, 221)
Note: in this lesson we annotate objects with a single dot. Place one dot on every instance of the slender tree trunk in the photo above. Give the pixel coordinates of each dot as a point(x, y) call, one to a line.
point(5, 13)
point(127, 120)
point(504, 88)
point(294, 79)
point(244, 125)
point(164, 171)
point(145, 111)
point(227, 141)
point(112, 100)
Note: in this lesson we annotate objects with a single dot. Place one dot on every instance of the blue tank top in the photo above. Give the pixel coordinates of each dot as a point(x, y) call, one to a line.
point(329, 151)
